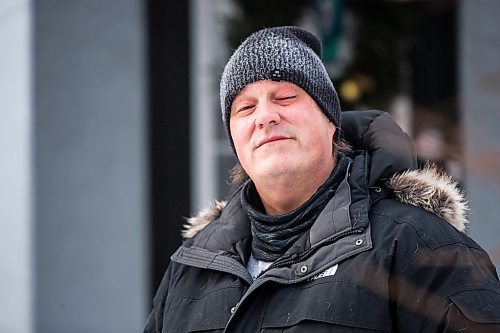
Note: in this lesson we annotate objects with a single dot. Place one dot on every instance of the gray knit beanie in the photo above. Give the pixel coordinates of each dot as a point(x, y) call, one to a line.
point(281, 54)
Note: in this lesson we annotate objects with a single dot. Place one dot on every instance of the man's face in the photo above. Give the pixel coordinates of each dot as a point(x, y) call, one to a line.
point(277, 128)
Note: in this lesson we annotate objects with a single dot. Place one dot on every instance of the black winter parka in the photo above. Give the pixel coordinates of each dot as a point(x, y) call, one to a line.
point(387, 254)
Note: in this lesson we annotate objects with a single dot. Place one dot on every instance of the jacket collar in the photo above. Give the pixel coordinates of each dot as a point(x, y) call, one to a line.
point(227, 224)
point(220, 238)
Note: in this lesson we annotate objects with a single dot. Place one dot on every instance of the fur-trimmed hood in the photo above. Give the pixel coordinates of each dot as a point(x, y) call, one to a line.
point(393, 164)
point(434, 191)
point(428, 188)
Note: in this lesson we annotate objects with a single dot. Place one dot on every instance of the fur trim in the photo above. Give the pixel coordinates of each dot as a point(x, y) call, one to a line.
point(197, 223)
point(435, 191)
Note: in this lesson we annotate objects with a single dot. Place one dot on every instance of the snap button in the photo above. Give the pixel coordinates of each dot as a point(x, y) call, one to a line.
point(233, 310)
point(303, 269)
point(359, 242)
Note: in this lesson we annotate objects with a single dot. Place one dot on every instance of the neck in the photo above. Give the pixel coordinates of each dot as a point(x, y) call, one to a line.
point(281, 194)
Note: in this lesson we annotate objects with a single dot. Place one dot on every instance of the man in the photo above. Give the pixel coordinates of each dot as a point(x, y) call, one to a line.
point(319, 238)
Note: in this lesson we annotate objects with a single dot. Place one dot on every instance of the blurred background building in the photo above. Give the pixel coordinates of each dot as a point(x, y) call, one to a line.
point(110, 130)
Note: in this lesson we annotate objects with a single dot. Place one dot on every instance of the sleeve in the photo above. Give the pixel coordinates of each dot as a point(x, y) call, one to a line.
point(452, 287)
point(154, 322)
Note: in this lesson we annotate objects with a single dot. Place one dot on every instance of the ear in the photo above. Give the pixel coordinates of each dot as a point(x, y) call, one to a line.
point(333, 130)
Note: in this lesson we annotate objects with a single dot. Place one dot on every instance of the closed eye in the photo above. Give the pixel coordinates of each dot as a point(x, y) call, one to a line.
point(244, 108)
point(285, 98)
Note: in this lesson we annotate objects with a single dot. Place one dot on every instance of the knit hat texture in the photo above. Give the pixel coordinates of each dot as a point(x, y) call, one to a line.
point(281, 54)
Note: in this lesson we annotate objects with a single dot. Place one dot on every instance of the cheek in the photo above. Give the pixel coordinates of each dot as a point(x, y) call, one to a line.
point(240, 139)
point(239, 133)
point(323, 138)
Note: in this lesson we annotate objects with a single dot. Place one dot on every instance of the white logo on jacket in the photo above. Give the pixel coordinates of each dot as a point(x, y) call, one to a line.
point(328, 272)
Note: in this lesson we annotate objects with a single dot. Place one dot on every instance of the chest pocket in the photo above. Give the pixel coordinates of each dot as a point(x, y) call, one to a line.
point(327, 305)
point(208, 312)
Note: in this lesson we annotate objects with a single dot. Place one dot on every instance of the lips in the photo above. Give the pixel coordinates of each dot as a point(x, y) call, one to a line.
point(272, 138)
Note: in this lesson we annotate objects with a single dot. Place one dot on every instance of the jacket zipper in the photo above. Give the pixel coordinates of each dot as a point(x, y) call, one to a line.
point(296, 259)
point(300, 257)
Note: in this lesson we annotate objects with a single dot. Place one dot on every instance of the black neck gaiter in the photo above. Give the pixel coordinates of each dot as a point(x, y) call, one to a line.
point(272, 236)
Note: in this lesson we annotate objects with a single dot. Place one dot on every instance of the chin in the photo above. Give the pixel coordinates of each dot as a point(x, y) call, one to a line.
point(276, 169)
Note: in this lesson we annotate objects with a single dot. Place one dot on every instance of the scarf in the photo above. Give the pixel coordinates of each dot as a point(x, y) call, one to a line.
point(272, 236)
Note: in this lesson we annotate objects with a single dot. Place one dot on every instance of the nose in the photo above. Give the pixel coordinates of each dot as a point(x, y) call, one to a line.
point(267, 114)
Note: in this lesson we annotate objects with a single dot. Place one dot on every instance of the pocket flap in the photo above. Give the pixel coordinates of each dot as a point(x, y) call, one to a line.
point(334, 302)
point(480, 305)
point(209, 312)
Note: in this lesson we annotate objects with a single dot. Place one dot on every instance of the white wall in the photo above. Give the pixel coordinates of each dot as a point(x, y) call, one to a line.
point(15, 169)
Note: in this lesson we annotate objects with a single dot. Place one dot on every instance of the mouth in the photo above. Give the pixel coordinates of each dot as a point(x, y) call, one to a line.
point(270, 139)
